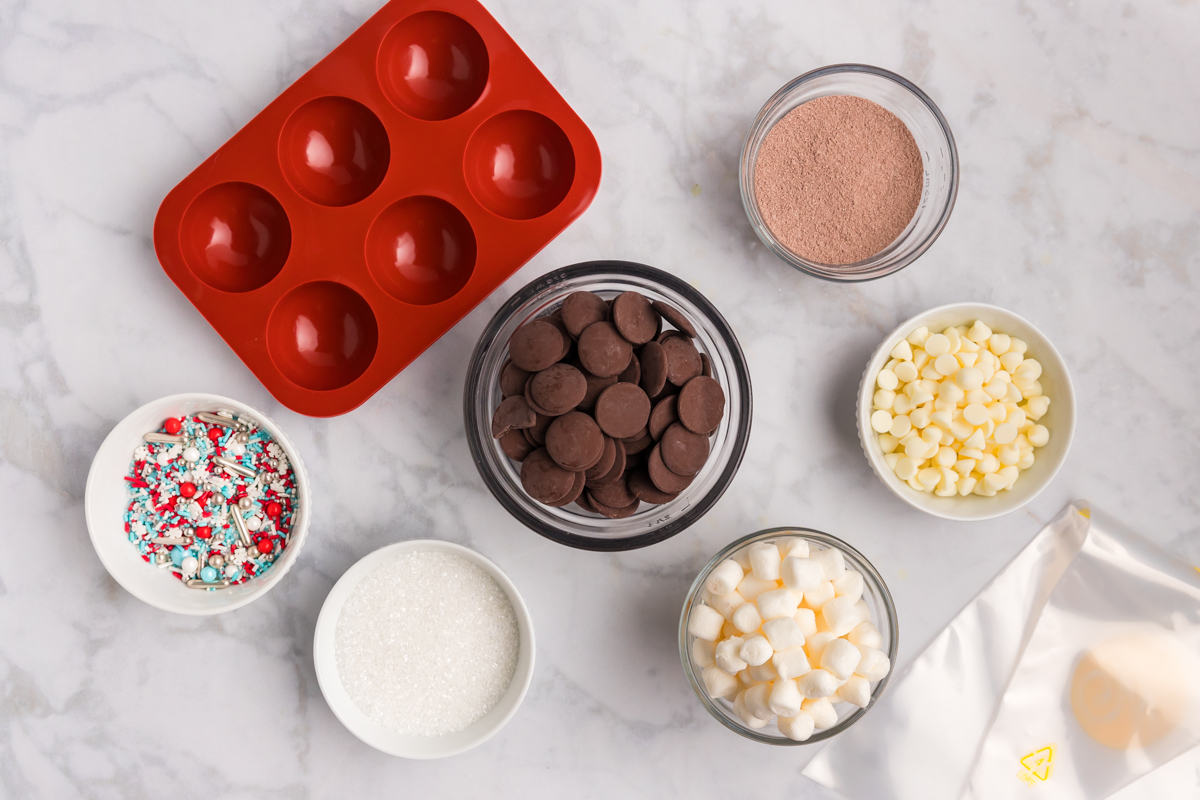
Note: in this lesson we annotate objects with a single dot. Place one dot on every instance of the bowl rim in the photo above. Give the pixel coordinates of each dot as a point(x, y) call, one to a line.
point(299, 530)
point(739, 366)
point(1065, 398)
point(325, 659)
point(813, 268)
point(870, 574)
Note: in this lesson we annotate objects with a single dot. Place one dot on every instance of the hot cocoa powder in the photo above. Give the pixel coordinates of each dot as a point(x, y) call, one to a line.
point(838, 179)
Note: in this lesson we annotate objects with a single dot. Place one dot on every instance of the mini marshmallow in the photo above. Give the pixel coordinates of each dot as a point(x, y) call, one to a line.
point(822, 595)
point(864, 610)
point(806, 618)
point(792, 546)
point(815, 645)
point(785, 698)
point(856, 691)
point(724, 578)
point(849, 585)
point(764, 561)
point(746, 618)
point(833, 564)
point(727, 630)
point(763, 673)
point(797, 728)
point(751, 587)
point(718, 682)
point(791, 663)
point(745, 678)
point(757, 650)
point(726, 655)
point(742, 558)
point(705, 623)
point(726, 604)
point(757, 700)
point(801, 574)
point(840, 615)
point(778, 603)
point(840, 658)
point(865, 634)
point(817, 683)
point(874, 665)
point(782, 633)
point(822, 711)
point(703, 653)
point(744, 714)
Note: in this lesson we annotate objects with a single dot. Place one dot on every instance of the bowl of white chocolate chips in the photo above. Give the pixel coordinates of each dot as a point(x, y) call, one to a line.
point(788, 636)
point(966, 411)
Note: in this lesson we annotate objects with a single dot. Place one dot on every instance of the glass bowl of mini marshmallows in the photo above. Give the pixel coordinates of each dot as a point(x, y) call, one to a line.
point(966, 411)
point(788, 636)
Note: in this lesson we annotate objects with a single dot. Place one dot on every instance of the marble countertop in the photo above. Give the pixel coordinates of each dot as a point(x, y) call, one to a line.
point(1077, 126)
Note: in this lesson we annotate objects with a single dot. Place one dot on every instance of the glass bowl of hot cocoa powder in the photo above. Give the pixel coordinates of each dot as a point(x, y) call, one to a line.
point(656, 515)
point(849, 173)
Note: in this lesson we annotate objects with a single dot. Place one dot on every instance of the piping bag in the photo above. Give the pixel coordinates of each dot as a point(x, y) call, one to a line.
point(1073, 673)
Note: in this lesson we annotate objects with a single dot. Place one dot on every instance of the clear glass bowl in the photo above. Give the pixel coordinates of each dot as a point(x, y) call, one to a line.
point(930, 130)
point(875, 593)
point(571, 525)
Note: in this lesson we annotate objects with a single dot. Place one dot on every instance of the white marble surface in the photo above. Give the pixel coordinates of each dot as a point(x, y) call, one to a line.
point(1077, 126)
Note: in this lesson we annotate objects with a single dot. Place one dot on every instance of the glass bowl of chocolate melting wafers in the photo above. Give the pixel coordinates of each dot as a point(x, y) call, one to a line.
point(608, 405)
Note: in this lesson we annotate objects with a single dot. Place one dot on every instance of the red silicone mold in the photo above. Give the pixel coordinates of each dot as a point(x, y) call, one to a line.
point(376, 201)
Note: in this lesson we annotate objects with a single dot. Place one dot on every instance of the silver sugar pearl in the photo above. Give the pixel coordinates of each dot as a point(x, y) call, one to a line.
point(160, 558)
point(216, 561)
point(252, 551)
point(245, 503)
point(243, 437)
point(188, 541)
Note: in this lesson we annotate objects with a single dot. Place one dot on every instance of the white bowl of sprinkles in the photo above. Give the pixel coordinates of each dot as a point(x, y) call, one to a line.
point(424, 649)
point(107, 499)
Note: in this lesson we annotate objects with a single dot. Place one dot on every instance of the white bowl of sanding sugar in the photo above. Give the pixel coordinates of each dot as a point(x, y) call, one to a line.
point(424, 649)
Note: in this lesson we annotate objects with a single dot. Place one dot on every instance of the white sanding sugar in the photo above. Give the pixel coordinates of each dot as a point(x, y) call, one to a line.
point(427, 643)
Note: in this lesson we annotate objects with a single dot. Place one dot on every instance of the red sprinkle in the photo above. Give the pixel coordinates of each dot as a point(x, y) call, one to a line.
point(214, 434)
point(265, 545)
point(274, 509)
point(173, 426)
point(187, 489)
point(203, 532)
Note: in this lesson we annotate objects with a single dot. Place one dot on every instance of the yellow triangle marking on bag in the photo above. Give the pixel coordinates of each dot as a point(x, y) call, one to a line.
point(1038, 762)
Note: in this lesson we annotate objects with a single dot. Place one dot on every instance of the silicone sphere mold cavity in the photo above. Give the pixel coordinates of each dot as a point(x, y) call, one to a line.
point(421, 250)
point(519, 165)
point(334, 151)
point(433, 65)
point(235, 237)
point(322, 335)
